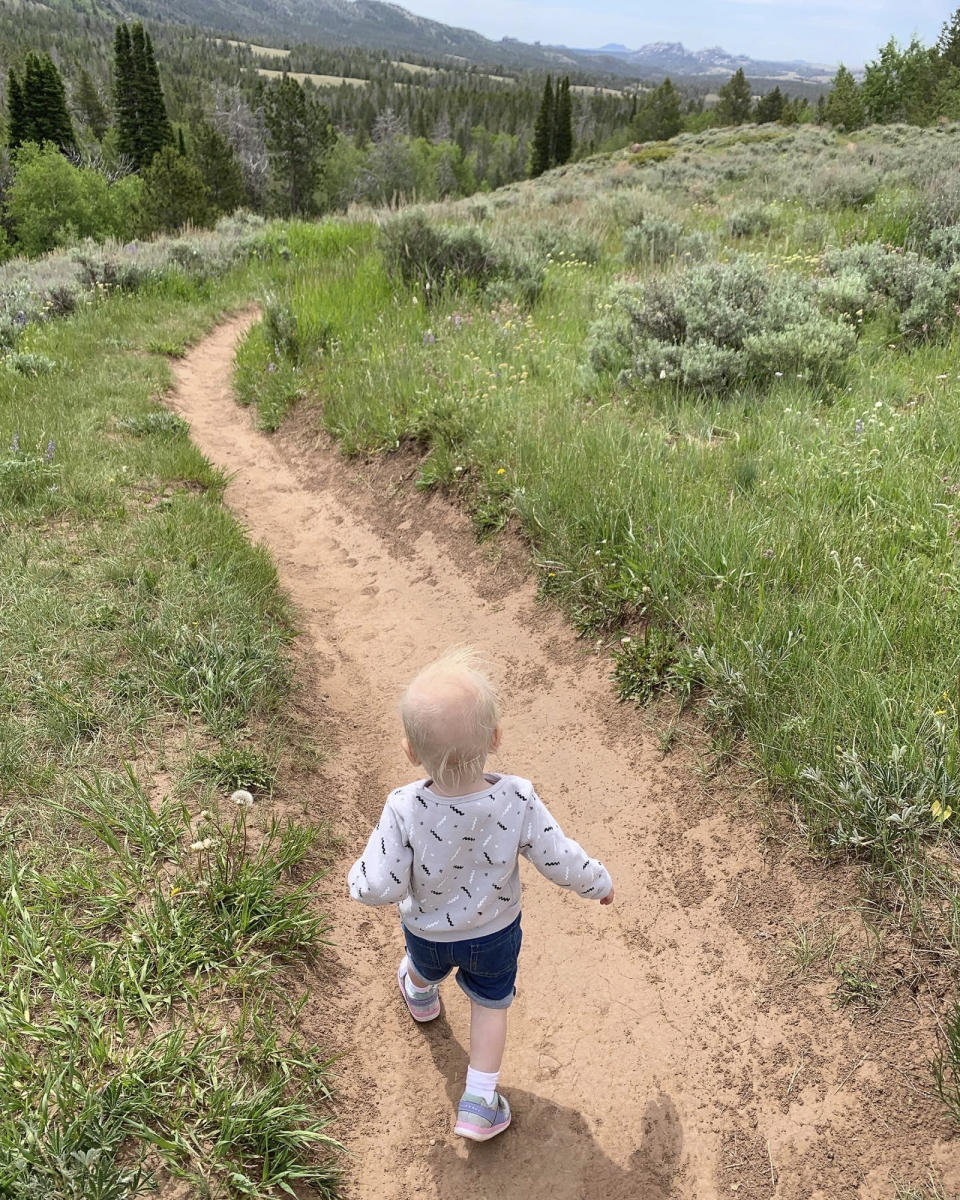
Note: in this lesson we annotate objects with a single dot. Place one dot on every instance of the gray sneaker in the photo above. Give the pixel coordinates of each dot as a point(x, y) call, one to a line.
point(422, 1008)
point(480, 1121)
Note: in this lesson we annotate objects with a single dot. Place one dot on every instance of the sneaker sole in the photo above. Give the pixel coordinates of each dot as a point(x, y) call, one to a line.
point(421, 1020)
point(481, 1135)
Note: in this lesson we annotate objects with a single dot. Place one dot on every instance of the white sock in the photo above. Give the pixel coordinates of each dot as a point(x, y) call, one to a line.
point(482, 1083)
point(412, 990)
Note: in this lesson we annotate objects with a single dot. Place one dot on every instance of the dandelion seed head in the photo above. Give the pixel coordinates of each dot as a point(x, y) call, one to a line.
point(242, 798)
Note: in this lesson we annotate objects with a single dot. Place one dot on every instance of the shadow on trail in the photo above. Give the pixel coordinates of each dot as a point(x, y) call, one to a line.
point(549, 1151)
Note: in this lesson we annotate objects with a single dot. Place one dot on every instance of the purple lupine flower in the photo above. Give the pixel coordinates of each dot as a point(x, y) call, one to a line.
point(15, 444)
point(271, 367)
point(858, 428)
point(20, 319)
point(50, 451)
point(429, 338)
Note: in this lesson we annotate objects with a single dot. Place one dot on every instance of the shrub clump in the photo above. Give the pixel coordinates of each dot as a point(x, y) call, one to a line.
point(751, 219)
point(719, 326)
point(438, 258)
point(921, 294)
point(657, 241)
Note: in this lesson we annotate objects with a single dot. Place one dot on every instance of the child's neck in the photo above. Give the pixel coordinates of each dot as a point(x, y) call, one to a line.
point(479, 783)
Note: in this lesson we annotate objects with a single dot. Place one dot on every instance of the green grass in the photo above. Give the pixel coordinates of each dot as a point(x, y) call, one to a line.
point(147, 923)
point(782, 555)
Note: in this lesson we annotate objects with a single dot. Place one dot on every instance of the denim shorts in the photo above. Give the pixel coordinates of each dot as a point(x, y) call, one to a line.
point(486, 966)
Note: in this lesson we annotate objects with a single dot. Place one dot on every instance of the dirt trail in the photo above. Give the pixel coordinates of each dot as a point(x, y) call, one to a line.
point(656, 1049)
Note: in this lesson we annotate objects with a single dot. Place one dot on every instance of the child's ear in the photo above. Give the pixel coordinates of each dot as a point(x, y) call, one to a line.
point(409, 753)
point(495, 740)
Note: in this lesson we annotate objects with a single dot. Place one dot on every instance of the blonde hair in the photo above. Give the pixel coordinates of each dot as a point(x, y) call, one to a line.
point(450, 714)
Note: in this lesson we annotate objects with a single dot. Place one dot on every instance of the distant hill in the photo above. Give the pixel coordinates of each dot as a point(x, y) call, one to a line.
point(373, 24)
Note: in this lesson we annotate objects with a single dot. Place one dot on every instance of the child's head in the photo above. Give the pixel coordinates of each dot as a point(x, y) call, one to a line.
point(451, 718)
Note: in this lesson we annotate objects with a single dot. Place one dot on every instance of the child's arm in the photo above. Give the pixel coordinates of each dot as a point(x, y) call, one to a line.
point(562, 860)
point(382, 873)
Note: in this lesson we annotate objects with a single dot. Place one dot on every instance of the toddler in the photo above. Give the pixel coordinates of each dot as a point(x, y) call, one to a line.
point(446, 849)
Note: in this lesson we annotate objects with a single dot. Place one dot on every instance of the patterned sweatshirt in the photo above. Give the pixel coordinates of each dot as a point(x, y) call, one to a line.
point(452, 863)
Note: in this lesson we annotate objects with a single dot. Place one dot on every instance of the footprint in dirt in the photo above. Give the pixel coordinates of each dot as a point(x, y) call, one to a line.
point(549, 1153)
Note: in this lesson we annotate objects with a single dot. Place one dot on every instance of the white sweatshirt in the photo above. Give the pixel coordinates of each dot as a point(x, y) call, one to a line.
point(452, 863)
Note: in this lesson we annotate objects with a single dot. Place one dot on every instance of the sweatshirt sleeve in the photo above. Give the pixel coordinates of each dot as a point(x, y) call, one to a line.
point(382, 873)
point(560, 859)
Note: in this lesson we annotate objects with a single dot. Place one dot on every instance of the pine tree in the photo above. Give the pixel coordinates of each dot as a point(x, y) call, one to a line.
point(543, 134)
point(843, 107)
point(59, 127)
point(770, 107)
point(563, 138)
point(219, 168)
point(153, 110)
point(173, 194)
point(299, 138)
point(947, 50)
point(125, 95)
point(40, 114)
point(659, 118)
point(16, 118)
point(92, 110)
point(736, 99)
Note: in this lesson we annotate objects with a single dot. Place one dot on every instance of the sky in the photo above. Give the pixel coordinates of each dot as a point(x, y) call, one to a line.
point(849, 32)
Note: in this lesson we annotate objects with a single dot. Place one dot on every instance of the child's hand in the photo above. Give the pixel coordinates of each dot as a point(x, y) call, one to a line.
point(608, 898)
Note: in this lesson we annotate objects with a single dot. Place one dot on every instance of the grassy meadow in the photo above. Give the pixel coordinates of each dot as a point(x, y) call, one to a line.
point(716, 385)
point(154, 928)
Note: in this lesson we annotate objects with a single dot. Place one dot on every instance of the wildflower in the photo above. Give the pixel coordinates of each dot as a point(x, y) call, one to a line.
point(501, 470)
point(242, 798)
point(663, 373)
point(136, 938)
point(625, 641)
point(205, 815)
point(415, 300)
point(778, 374)
point(428, 337)
point(271, 367)
point(858, 427)
point(879, 404)
point(940, 712)
point(50, 451)
point(15, 444)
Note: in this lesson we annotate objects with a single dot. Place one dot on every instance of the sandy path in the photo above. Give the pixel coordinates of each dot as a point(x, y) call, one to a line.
point(656, 1049)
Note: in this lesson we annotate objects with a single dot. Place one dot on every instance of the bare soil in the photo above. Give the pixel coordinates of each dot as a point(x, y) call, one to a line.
point(658, 1048)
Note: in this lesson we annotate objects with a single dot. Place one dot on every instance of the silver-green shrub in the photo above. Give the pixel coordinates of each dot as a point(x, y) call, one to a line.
point(719, 326)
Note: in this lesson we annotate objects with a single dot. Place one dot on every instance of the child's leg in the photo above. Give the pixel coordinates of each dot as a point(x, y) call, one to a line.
point(415, 978)
point(488, 1036)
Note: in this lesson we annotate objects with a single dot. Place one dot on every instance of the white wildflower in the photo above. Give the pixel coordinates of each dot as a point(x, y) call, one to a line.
point(242, 798)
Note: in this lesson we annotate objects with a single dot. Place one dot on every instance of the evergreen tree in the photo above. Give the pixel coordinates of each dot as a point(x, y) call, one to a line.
point(843, 107)
point(947, 50)
point(173, 194)
point(181, 144)
point(770, 107)
point(125, 96)
point(16, 118)
point(563, 139)
point(900, 84)
point(736, 100)
point(541, 158)
point(219, 168)
point(42, 106)
point(158, 131)
point(659, 118)
point(299, 138)
point(92, 111)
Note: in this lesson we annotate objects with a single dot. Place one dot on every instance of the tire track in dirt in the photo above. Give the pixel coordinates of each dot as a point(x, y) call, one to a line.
point(655, 1049)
